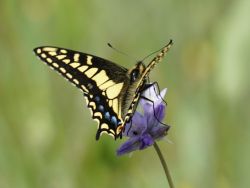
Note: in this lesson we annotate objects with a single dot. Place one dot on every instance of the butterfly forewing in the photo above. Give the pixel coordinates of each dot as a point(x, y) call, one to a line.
point(101, 81)
point(89, 73)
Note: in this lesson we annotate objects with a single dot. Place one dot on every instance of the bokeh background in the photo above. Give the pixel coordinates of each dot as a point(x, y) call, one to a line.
point(47, 137)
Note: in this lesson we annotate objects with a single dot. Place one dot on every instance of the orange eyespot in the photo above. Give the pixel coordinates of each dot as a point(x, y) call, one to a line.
point(118, 130)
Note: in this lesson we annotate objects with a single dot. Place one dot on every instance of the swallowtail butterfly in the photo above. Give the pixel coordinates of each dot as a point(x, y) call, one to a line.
point(111, 91)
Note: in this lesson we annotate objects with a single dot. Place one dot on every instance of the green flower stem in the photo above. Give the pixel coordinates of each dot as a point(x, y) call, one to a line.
point(164, 164)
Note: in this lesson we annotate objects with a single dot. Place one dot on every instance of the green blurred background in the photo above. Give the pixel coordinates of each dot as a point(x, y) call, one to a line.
point(47, 136)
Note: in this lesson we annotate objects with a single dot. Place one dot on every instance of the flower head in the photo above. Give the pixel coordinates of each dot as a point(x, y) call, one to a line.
point(146, 127)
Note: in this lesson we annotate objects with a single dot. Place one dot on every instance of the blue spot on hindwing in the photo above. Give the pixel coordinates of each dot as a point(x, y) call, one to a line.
point(97, 99)
point(101, 108)
point(114, 120)
point(107, 116)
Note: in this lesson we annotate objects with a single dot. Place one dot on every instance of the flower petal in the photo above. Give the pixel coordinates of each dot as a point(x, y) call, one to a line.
point(148, 109)
point(160, 97)
point(145, 128)
point(135, 127)
point(128, 146)
point(146, 141)
point(137, 118)
point(159, 132)
point(150, 94)
point(160, 112)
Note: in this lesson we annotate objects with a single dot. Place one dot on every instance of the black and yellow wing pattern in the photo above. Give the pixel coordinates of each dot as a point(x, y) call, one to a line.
point(111, 91)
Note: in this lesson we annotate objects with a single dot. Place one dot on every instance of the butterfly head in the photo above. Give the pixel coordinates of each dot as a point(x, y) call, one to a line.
point(136, 71)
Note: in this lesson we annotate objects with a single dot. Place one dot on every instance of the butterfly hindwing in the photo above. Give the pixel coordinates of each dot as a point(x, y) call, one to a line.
point(104, 111)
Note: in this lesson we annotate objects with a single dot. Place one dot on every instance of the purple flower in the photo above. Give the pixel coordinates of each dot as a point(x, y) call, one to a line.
point(146, 125)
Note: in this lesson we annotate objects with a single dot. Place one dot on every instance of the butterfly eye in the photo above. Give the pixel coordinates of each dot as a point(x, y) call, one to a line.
point(134, 75)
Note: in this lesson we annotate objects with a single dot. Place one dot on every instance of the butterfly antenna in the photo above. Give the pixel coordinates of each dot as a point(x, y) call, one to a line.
point(122, 52)
point(158, 50)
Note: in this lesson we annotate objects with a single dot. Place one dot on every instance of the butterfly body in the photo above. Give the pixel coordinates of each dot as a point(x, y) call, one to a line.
point(111, 91)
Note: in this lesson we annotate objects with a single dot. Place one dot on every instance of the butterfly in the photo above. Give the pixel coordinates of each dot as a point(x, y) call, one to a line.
point(111, 91)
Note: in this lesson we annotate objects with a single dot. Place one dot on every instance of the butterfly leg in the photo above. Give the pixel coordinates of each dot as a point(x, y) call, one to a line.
point(123, 129)
point(153, 108)
point(154, 83)
point(129, 127)
point(159, 90)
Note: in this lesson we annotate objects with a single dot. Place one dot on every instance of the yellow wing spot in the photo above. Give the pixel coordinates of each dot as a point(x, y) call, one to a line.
point(110, 103)
point(114, 91)
point(98, 121)
point(43, 55)
point(104, 126)
point(91, 96)
point(52, 53)
point(106, 84)
point(115, 106)
point(89, 73)
point(49, 49)
point(111, 135)
point(98, 114)
point(63, 51)
point(93, 105)
point(113, 132)
point(49, 60)
point(141, 69)
point(74, 65)
point(62, 69)
point(91, 111)
point(83, 68)
point(68, 75)
point(100, 78)
point(136, 99)
point(129, 111)
point(104, 132)
point(89, 62)
point(76, 81)
point(87, 100)
point(76, 57)
point(60, 56)
point(84, 88)
point(103, 93)
point(55, 65)
point(38, 51)
point(66, 61)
